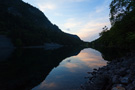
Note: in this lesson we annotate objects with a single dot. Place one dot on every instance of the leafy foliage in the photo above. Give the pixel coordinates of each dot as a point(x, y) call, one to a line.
point(120, 8)
point(122, 33)
point(105, 29)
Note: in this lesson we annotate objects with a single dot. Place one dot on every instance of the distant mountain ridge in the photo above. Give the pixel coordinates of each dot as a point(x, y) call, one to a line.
point(26, 25)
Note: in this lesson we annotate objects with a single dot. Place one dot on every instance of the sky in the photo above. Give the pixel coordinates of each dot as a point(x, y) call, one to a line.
point(85, 18)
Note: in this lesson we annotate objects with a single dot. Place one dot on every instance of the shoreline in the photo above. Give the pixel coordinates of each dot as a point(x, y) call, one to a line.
point(118, 74)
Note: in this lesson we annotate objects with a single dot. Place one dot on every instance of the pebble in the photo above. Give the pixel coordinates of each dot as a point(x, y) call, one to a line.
point(115, 79)
point(124, 80)
point(118, 88)
point(117, 75)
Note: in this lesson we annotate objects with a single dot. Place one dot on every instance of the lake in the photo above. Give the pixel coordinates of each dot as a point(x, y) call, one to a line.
point(40, 69)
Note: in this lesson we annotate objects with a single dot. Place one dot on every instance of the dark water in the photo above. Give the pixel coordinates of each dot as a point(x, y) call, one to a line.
point(39, 69)
point(70, 73)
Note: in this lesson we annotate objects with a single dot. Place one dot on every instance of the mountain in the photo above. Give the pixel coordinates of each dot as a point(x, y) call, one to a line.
point(27, 25)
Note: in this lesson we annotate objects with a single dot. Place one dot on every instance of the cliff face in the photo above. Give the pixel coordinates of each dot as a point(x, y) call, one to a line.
point(26, 25)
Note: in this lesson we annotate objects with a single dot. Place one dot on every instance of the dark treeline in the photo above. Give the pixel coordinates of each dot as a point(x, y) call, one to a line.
point(27, 25)
point(122, 31)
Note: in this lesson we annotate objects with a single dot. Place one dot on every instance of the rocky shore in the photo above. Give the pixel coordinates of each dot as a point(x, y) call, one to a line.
point(118, 74)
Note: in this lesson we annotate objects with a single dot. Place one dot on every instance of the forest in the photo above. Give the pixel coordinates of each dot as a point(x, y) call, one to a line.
point(122, 31)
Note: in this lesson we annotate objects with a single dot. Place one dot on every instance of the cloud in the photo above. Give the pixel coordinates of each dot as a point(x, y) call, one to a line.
point(102, 7)
point(72, 22)
point(58, 14)
point(47, 85)
point(71, 65)
point(99, 9)
point(51, 4)
point(46, 6)
point(68, 29)
point(68, 14)
point(89, 26)
point(89, 29)
point(66, 1)
point(91, 59)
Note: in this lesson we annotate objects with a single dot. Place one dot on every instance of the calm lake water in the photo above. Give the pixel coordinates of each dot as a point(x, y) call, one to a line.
point(40, 69)
point(70, 72)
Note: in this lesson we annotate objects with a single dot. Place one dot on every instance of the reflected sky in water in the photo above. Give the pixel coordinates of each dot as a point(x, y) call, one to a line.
point(70, 73)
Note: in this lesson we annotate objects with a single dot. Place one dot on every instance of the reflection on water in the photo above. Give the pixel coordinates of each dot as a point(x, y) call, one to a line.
point(110, 54)
point(39, 69)
point(5, 53)
point(26, 68)
point(70, 73)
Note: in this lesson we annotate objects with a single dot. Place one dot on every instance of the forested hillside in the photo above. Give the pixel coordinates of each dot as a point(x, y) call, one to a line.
point(122, 31)
point(27, 25)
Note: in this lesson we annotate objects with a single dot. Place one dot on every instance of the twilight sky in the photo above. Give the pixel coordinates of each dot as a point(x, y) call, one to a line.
point(86, 18)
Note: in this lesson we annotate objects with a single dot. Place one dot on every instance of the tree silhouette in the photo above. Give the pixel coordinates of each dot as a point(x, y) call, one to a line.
point(120, 8)
point(105, 29)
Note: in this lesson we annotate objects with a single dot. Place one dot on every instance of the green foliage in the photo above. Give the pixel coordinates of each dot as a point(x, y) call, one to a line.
point(130, 37)
point(120, 8)
point(105, 29)
point(121, 34)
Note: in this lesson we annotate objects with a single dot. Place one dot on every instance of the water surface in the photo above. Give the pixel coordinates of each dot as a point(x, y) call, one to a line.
point(71, 71)
point(39, 69)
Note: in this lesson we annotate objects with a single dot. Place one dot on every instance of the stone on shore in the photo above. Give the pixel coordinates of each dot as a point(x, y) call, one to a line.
point(118, 74)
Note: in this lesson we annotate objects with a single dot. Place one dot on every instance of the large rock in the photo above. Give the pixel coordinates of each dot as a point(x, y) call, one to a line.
point(115, 79)
point(124, 80)
point(118, 88)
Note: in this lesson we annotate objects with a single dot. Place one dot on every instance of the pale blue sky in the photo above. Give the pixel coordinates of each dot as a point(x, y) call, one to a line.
point(86, 18)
